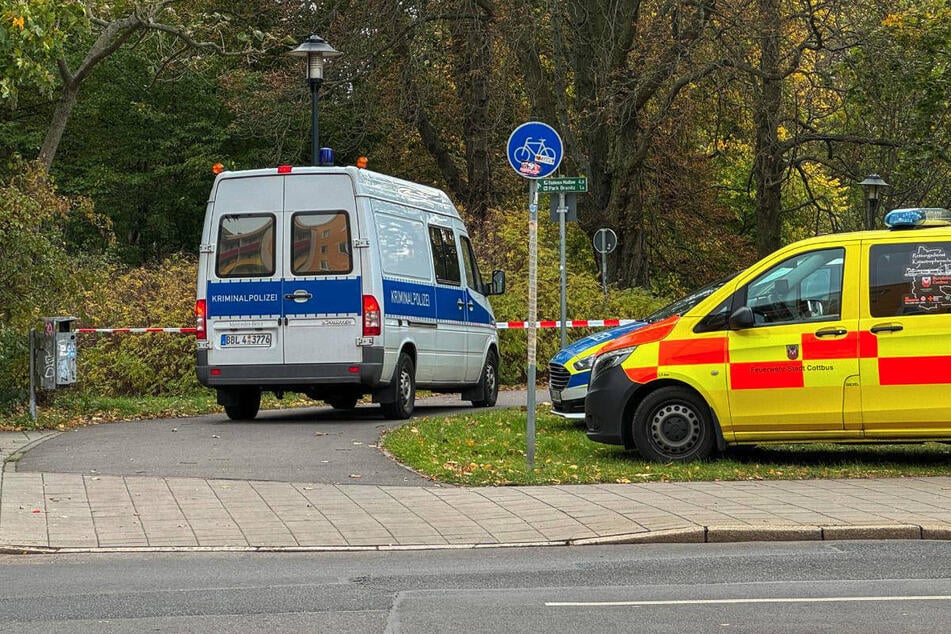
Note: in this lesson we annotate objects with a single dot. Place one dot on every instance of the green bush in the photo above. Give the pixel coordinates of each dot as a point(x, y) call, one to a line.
point(39, 274)
point(124, 364)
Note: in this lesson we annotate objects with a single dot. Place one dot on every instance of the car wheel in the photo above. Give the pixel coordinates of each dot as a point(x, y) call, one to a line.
point(489, 382)
point(246, 405)
point(404, 390)
point(673, 424)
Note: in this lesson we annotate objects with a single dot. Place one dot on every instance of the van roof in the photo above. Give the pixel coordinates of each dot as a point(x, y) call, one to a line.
point(366, 183)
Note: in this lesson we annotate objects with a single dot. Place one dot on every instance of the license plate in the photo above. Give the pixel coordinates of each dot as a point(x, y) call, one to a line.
point(247, 340)
point(556, 396)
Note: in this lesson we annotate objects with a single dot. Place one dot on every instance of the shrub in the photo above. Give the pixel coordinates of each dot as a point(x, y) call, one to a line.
point(39, 275)
point(140, 364)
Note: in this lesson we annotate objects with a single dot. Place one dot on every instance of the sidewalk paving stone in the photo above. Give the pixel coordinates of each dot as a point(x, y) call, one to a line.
point(76, 511)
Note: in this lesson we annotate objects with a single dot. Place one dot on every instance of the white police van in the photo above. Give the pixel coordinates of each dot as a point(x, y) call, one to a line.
point(337, 282)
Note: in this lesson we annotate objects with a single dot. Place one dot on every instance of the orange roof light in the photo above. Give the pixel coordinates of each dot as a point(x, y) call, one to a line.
point(217, 168)
point(362, 162)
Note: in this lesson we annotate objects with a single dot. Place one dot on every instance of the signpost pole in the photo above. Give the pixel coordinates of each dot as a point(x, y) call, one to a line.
point(532, 317)
point(534, 151)
point(604, 272)
point(33, 374)
point(562, 212)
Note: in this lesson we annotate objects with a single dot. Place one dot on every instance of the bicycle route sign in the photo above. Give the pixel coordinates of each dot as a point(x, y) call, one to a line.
point(534, 150)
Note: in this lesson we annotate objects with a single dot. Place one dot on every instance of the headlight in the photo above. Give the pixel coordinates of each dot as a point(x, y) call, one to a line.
point(610, 359)
point(583, 364)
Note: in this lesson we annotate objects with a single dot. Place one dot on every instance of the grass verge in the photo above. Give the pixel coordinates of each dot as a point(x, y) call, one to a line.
point(489, 448)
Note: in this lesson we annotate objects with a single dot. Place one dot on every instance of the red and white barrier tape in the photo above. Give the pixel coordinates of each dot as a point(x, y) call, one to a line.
point(501, 325)
point(575, 323)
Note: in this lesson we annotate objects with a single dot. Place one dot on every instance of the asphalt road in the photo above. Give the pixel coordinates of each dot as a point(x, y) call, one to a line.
point(314, 444)
point(862, 587)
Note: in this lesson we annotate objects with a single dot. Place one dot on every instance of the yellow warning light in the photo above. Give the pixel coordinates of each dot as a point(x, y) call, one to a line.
point(217, 168)
point(362, 162)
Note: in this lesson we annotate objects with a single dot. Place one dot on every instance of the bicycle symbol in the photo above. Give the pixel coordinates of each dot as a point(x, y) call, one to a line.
point(535, 151)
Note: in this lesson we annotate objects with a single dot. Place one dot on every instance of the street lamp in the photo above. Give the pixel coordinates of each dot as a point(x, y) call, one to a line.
point(316, 50)
point(873, 186)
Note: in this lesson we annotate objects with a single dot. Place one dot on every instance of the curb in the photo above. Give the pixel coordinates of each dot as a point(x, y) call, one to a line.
point(10, 460)
point(697, 535)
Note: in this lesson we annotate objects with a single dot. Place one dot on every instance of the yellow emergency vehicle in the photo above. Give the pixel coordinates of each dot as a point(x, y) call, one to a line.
point(838, 338)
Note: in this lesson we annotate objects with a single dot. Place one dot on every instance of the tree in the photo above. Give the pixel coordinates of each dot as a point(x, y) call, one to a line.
point(33, 35)
point(182, 29)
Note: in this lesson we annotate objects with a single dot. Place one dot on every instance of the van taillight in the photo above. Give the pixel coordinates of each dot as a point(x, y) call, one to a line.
point(201, 312)
point(371, 316)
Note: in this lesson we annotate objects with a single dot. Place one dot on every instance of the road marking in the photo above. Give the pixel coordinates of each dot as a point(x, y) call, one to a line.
point(559, 604)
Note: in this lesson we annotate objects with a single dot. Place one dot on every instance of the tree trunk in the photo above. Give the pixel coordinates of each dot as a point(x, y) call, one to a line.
point(54, 134)
point(768, 163)
point(472, 44)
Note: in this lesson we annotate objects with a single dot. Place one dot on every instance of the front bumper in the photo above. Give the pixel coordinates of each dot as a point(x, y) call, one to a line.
point(608, 396)
point(569, 402)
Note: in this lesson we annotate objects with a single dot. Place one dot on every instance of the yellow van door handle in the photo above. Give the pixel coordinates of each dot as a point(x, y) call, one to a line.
point(832, 332)
point(887, 328)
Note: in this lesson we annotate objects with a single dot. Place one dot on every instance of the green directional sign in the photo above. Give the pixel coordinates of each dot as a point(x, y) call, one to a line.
point(563, 184)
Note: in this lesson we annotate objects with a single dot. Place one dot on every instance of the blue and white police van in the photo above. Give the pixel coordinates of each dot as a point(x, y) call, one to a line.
point(337, 282)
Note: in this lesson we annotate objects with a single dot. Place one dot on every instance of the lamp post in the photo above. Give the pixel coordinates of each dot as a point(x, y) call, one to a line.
point(316, 50)
point(873, 186)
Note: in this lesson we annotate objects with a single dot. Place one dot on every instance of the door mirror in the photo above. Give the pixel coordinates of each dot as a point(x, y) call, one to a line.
point(742, 318)
point(497, 287)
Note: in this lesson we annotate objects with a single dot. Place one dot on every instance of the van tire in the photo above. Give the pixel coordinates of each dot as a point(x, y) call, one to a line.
point(403, 390)
point(245, 406)
point(673, 424)
point(489, 382)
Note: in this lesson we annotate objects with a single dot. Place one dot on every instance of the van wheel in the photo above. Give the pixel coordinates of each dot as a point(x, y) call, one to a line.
point(489, 382)
point(343, 402)
point(673, 424)
point(245, 406)
point(404, 390)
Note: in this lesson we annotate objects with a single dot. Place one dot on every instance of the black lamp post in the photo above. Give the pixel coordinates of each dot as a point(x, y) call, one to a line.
point(873, 186)
point(316, 50)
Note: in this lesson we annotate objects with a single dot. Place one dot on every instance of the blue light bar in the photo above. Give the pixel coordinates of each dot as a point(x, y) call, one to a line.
point(917, 217)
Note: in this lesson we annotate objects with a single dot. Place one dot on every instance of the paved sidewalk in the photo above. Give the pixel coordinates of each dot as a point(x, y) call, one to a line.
point(70, 512)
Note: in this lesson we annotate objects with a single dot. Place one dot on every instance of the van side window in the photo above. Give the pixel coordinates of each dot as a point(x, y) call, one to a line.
point(912, 278)
point(321, 243)
point(805, 287)
point(473, 277)
point(245, 246)
point(402, 246)
point(445, 256)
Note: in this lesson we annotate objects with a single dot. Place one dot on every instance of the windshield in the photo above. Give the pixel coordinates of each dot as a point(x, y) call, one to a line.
point(682, 305)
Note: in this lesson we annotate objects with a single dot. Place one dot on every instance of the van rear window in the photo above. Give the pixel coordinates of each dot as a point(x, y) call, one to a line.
point(245, 246)
point(321, 244)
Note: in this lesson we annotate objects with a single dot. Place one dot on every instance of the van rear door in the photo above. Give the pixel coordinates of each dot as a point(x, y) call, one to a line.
point(244, 277)
point(321, 293)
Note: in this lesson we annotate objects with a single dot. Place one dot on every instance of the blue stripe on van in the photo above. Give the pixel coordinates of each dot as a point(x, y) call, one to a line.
point(266, 297)
point(429, 301)
point(244, 299)
point(330, 296)
point(408, 299)
point(478, 314)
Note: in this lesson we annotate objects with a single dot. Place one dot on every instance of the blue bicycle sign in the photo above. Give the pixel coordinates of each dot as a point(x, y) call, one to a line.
point(534, 150)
